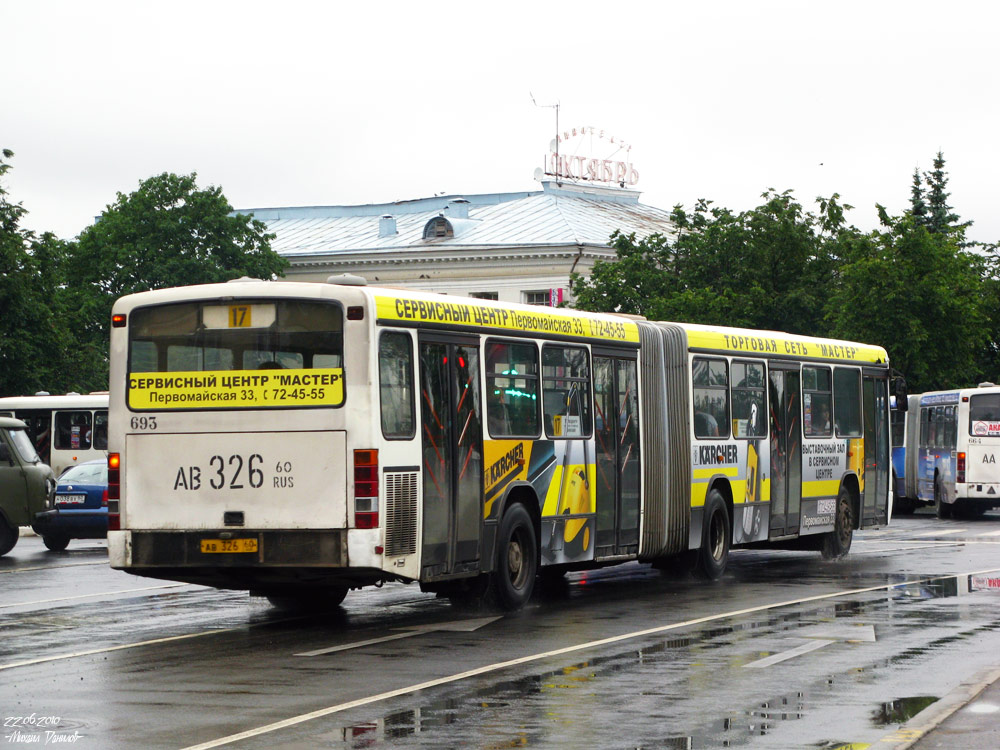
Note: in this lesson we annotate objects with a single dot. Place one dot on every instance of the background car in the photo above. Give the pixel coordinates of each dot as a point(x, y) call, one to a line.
point(79, 507)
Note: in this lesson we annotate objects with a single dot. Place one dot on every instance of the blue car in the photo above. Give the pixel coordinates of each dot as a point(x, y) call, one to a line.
point(79, 507)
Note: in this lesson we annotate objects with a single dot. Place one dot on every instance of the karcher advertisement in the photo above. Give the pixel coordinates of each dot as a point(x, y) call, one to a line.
point(561, 474)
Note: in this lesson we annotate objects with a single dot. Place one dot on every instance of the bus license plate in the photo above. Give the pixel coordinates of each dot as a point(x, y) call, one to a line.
point(228, 545)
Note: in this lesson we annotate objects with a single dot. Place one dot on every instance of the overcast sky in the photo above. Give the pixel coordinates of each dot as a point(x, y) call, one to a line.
point(331, 103)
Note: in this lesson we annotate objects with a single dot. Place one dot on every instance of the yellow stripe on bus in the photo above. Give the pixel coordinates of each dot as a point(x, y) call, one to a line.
point(768, 342)
point(826, 488)
point(449, 314)
point(726, 471)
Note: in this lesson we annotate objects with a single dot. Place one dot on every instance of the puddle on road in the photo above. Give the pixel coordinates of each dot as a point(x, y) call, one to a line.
point(901, 710)
point(554, 707)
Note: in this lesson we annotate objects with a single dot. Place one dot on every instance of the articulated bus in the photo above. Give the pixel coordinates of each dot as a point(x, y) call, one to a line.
point(952, 450)
point(65, 430)
point(298, 440)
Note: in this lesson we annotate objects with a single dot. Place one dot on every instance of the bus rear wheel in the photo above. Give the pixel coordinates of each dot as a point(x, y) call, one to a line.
point(513, 578)
point(837, 543)
point(713, 556)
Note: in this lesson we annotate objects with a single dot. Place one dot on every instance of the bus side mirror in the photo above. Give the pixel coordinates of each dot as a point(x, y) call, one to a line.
point(899, 391)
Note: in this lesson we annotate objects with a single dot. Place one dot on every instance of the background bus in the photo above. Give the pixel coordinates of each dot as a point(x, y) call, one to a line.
point(298, 440)
point(905, 424)
point(957, 440)
point(65, 430)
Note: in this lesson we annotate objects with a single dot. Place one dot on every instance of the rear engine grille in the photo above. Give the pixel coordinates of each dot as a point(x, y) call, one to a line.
point(401, 513)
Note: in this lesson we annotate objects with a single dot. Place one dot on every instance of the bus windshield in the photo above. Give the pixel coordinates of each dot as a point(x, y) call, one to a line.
point(304, 338)
point(984, 414)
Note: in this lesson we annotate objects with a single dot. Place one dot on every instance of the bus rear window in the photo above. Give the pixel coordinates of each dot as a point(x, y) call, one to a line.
point(221, 355)
point(984, 415)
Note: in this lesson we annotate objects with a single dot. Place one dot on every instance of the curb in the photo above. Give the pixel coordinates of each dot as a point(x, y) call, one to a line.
point(935, 714)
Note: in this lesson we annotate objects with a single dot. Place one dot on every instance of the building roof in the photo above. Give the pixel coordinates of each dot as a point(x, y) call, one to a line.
point(565, 214)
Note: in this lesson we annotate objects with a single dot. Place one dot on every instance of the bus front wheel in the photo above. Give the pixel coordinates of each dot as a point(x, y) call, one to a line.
point(837, 543)
point(517, 559)
point(715, 538)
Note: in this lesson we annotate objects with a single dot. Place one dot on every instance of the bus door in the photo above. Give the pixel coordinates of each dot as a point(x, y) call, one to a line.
point(616, 435)
point(452, 455)
point(786, 449)
point(876, 493)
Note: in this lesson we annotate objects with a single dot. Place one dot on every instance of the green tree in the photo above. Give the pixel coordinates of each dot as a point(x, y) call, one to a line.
point(167, 233)
point(917, 294)
point(918, 206)
point(32, 337)
point(940, 217)
point(764, 268)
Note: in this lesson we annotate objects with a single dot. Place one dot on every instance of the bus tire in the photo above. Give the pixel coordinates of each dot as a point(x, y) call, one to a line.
point(309, 600)
point(942, 508)
point(8, 536)
point(513, 578)
point(55, 542)
point(837, 543)
point(716, 537)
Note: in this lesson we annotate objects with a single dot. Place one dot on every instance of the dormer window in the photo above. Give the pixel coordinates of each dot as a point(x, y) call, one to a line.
point(438, 228)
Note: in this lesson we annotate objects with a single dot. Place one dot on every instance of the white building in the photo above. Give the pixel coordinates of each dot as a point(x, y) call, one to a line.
point(515, 247)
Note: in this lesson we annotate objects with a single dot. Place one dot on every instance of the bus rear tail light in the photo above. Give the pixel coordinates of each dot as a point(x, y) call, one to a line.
point(960, 468)
point(114, 491)
point(366, 489)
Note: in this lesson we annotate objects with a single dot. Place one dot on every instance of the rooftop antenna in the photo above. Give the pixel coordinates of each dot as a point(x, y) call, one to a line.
point(556, 140)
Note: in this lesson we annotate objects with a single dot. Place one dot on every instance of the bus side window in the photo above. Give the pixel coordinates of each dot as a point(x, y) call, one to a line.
point(101, 430)
point(710, 378)
point(512, 389)
point(847, 402)
point(395, 375)
point(749, 400)
point(566, 391)
point(816, 400)
point(73, 430)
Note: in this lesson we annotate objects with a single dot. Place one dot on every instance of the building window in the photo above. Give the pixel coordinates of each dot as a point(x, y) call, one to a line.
point(485, 295)
point(438, 228)
point(540, 297)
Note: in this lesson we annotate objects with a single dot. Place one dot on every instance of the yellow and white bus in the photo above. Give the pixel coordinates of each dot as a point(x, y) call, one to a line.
point(297, 440)
point(65, 429)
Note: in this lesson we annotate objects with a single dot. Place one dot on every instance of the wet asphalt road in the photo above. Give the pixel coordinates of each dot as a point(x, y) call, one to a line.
point(787, 651)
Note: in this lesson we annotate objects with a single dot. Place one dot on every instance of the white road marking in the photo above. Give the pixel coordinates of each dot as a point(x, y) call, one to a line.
point(53, 567)
point(990, 533)
point(100, 593)
point(825, 635)
point(918, 545)
point(320, 713)
point(805, 648)
point(940, 533)
point(456, 626)
point(122, 647)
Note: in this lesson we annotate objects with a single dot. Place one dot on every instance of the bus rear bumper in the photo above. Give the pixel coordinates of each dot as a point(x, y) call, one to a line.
point(293, 556)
